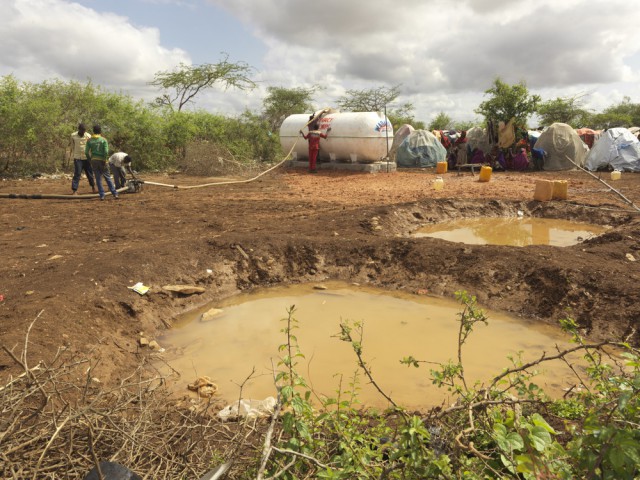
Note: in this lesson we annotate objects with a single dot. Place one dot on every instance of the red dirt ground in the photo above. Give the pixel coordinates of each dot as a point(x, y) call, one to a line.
point(69, 262)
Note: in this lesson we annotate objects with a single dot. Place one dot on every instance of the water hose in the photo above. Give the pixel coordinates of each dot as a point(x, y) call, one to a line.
point(313, 118)
point(180, 187)
point(227, 182)
point(38, 196)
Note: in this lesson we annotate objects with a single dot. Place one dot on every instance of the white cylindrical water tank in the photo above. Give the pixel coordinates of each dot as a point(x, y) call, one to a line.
point(362, 137)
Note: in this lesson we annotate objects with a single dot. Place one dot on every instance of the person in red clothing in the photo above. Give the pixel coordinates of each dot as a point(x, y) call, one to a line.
point(314, 137)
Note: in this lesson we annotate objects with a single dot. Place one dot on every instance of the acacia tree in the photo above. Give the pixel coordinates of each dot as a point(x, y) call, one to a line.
point(183, 83)
point(609, 119)
point(368, 100)
point(281, 102)
point(623, 114)
point(507, 102)
point(376, 100)
point(441, 122)
point(567, 110)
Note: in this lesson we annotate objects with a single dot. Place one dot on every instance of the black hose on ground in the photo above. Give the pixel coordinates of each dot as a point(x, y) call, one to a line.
point(40, 196)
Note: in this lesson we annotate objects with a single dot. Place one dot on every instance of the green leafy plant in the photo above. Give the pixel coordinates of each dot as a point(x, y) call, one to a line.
point(502, 428)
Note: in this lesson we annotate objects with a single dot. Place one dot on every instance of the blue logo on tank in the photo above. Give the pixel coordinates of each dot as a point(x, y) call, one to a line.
point(383, 126)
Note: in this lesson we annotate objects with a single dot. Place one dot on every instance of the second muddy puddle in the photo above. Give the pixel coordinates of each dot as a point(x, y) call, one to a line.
point(513, 231)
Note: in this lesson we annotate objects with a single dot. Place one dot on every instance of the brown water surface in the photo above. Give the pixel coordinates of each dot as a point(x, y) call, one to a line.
point(247, 333)
point(514, 231)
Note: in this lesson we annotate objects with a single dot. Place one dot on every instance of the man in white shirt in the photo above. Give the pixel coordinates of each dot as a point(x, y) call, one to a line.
point(80, 162)
point(120, 165)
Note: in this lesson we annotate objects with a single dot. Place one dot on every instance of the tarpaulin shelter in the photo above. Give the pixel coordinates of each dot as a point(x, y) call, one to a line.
point(562, 146)
point(420, 149)
point(533, 136)
point(506, 134)
point(403, 132)
point(588, 136)
point(617, 148)
point(478, 137)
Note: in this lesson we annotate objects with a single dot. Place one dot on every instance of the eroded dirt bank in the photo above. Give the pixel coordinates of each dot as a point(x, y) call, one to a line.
point(71, 261)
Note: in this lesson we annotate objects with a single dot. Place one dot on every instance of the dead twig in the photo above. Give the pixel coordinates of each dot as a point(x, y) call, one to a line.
point(60, 422)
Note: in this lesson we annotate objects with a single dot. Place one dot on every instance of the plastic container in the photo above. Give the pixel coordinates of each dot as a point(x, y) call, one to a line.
point(543, 191)
point(441, 167)
point(560, 190)
point(485, 173)
point(362, 137)
point(616, 174)
point(438, 183)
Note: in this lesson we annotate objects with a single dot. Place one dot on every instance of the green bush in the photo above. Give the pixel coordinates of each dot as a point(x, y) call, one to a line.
point(499, 430)
point(36, 121)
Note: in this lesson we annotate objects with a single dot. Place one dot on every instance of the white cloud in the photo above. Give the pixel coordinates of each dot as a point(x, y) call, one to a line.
point(445, 55)
point(440, 49)
point(56, 38)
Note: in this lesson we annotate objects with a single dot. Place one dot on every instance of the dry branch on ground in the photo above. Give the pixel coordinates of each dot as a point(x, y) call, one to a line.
point(57, 421)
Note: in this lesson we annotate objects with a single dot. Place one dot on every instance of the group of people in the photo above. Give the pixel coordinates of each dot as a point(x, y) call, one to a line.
point(91, 155)
point(459, 152)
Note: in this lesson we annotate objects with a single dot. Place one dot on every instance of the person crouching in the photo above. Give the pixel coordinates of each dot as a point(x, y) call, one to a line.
point(120, 165)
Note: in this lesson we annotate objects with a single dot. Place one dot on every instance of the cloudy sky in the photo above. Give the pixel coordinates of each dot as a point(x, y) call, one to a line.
point(443, 54)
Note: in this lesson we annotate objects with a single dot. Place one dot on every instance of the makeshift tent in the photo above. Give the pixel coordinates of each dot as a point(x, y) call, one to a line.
point(588, 136)
point(618, 148)
point(403, 132)
point(533, 136)
point(452, 135)
point(420, 149)
point(477, 137)
point(562, 146)
point(506, 134)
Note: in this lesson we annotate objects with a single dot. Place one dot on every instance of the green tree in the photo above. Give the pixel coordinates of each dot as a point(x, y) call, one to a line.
point(10, 120)
point(623, 114)
point(508, 101)
point(378, 100)
point(464, 125)
point(183, 83)
point(609, 120)
point(399, 118)
point(567, 110)
point(441, 122)
point(370, 99)
point(281, 102)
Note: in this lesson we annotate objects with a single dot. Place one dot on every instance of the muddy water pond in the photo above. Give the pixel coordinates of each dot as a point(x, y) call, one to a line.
point(244, 333)
point(514, 231)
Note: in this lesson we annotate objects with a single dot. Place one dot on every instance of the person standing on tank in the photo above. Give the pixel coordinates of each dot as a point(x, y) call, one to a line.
point(78, 143)
point(97, 151)
point(313, 137)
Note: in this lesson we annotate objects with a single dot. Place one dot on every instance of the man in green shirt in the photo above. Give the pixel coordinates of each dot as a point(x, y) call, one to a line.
point(97, 150)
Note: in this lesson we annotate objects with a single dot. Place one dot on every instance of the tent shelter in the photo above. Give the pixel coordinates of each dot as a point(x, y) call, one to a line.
point(478, 137)
point(562, 146)
point(618, 148)
point(403, 132)
point(533, 136)
point(588, 136)
point(420, 149)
